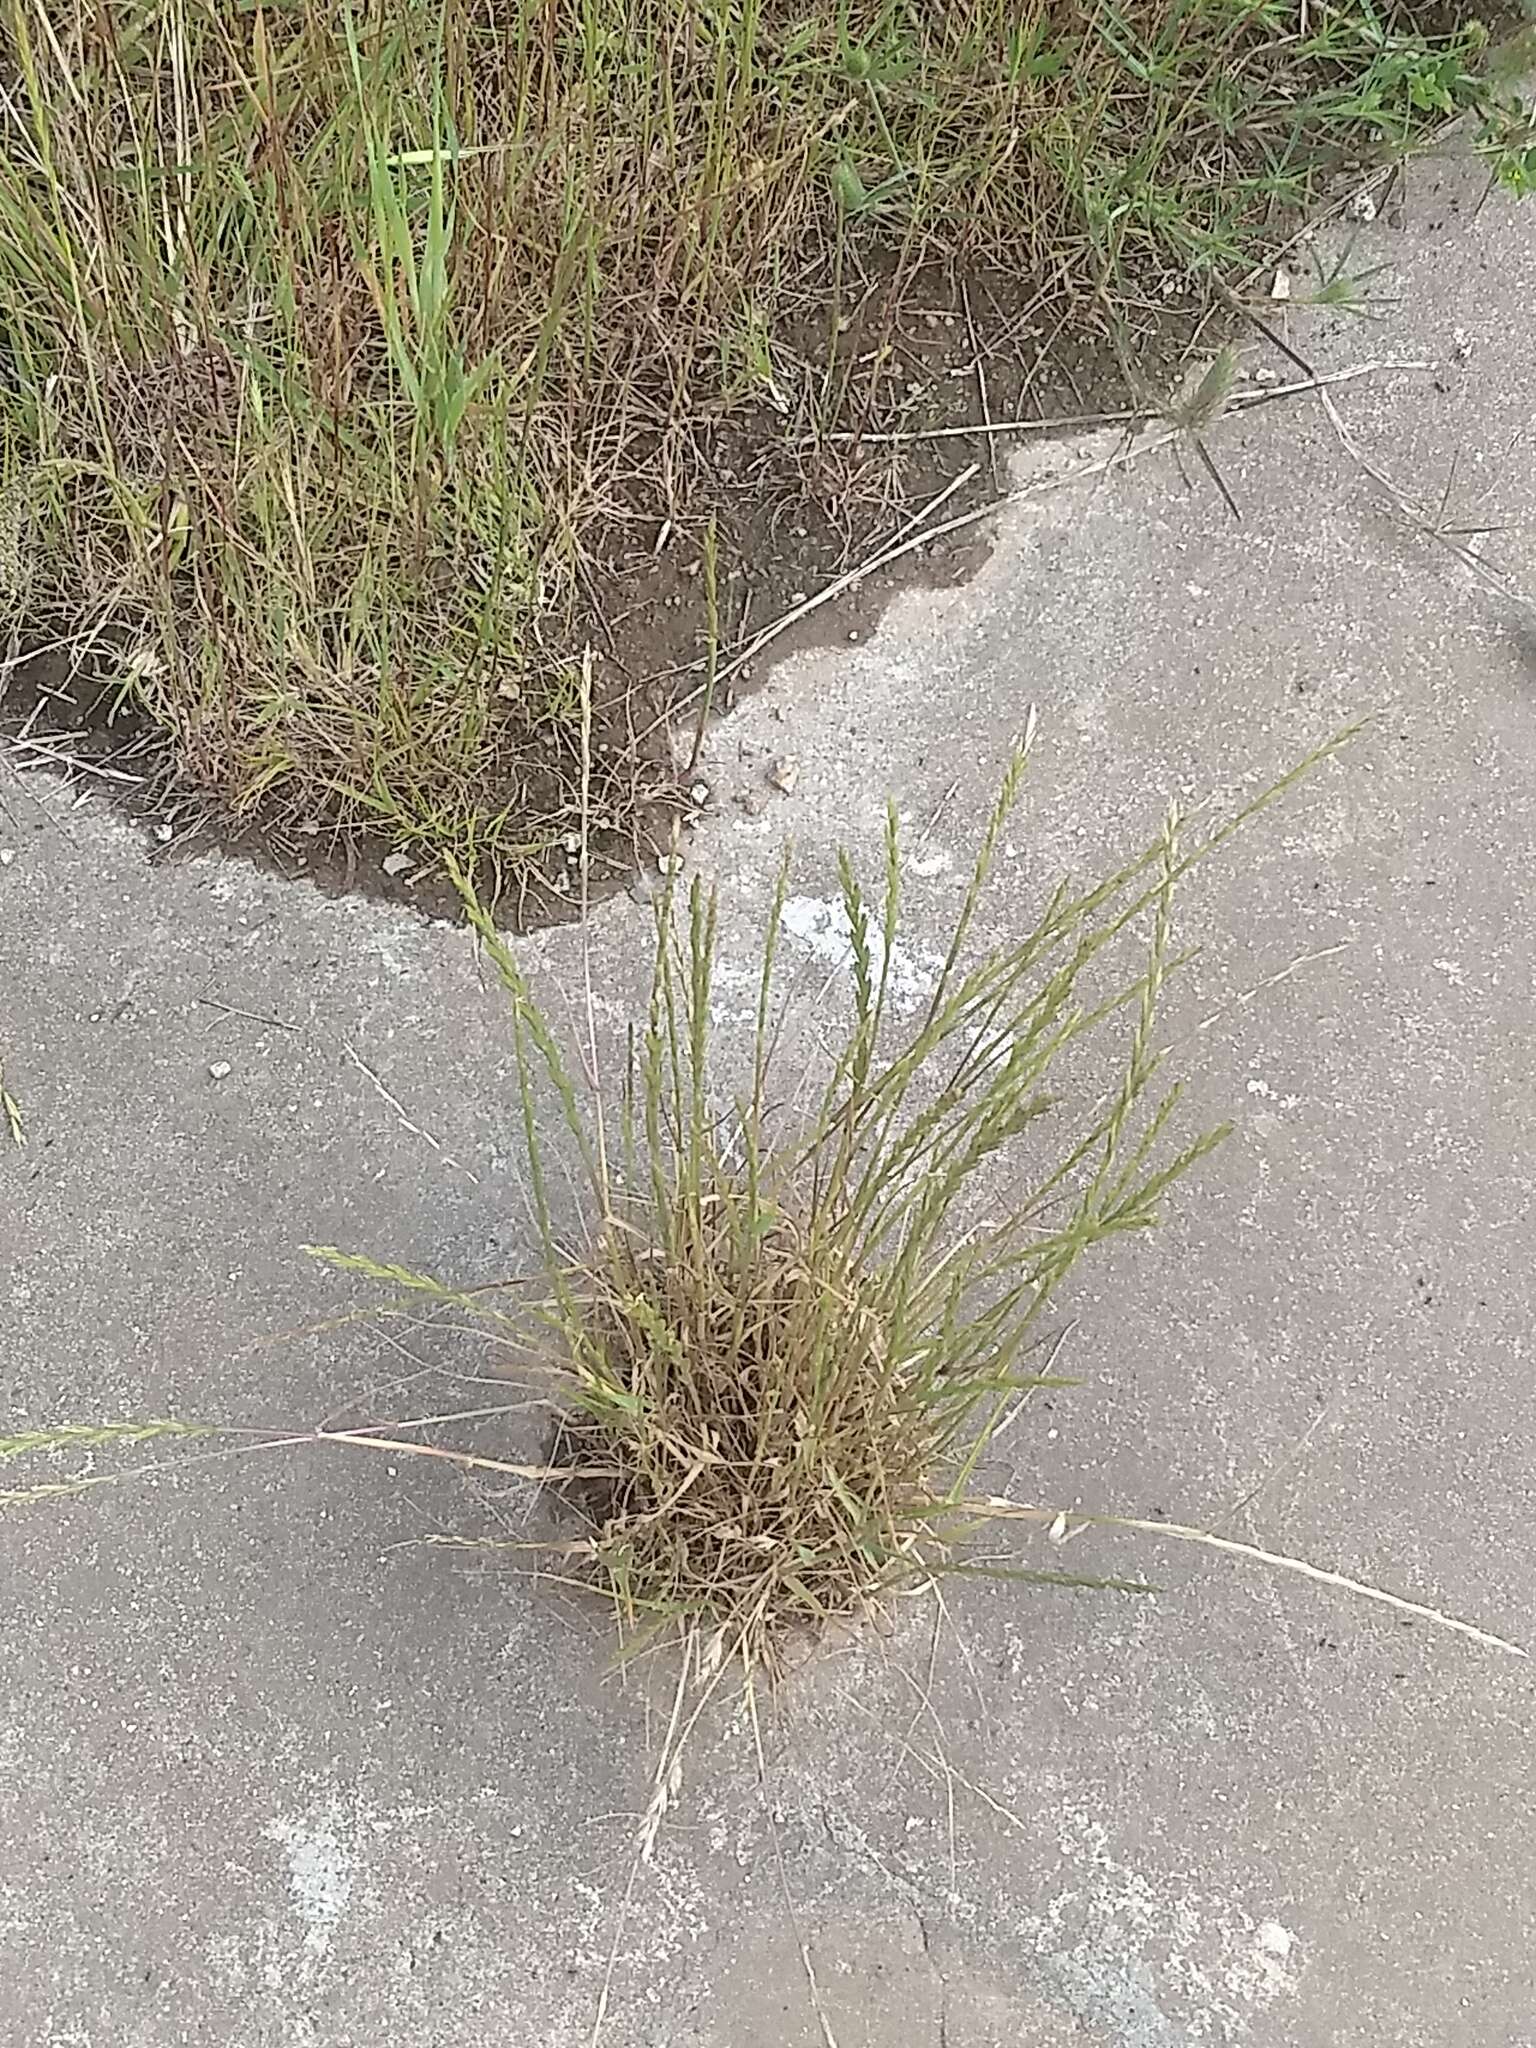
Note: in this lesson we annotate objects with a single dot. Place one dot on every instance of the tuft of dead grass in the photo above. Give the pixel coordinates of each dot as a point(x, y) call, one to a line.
point(348, 356)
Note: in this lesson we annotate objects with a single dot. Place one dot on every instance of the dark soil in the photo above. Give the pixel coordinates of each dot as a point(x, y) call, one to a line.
point(794, 513)
point(72, 717)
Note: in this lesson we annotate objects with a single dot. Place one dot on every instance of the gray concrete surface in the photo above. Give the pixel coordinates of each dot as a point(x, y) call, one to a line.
point(271, 1776)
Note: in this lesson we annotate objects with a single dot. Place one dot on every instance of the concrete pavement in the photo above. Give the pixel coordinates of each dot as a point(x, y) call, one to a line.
point(274, 1776)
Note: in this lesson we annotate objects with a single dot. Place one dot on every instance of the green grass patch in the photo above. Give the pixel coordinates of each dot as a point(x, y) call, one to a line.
point(347, 356)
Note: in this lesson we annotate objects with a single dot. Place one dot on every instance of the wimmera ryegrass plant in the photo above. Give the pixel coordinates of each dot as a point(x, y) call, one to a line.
point(788, 1318)
point(788, 1338)
point(343, 349)
point(783, 1350)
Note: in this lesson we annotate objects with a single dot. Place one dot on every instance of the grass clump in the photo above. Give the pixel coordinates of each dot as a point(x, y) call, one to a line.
point(798, 1318)
point(347, 355)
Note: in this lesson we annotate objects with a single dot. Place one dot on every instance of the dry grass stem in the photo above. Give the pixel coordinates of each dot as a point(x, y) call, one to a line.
point(1070, 1520)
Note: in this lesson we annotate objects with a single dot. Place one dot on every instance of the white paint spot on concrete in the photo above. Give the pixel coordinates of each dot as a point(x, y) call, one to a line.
point(933, 860)
point(676, 1920)
point(1152, 1961)
point(1265, 1969)
point(1275, 1940)
point(738, 981)
point(821, 926)
point(1265, 1093)
point(322, 1871)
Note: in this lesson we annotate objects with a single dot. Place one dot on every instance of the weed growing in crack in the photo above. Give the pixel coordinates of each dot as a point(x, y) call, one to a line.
point(784, 1338)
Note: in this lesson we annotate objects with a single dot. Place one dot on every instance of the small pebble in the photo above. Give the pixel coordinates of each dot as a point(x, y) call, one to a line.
point(670, 863)
point(165, 832)
point(397, 863)
point(571, 843)
point(7, 855)
point(220, 1071)
point(699, 793)
point(784, 775)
